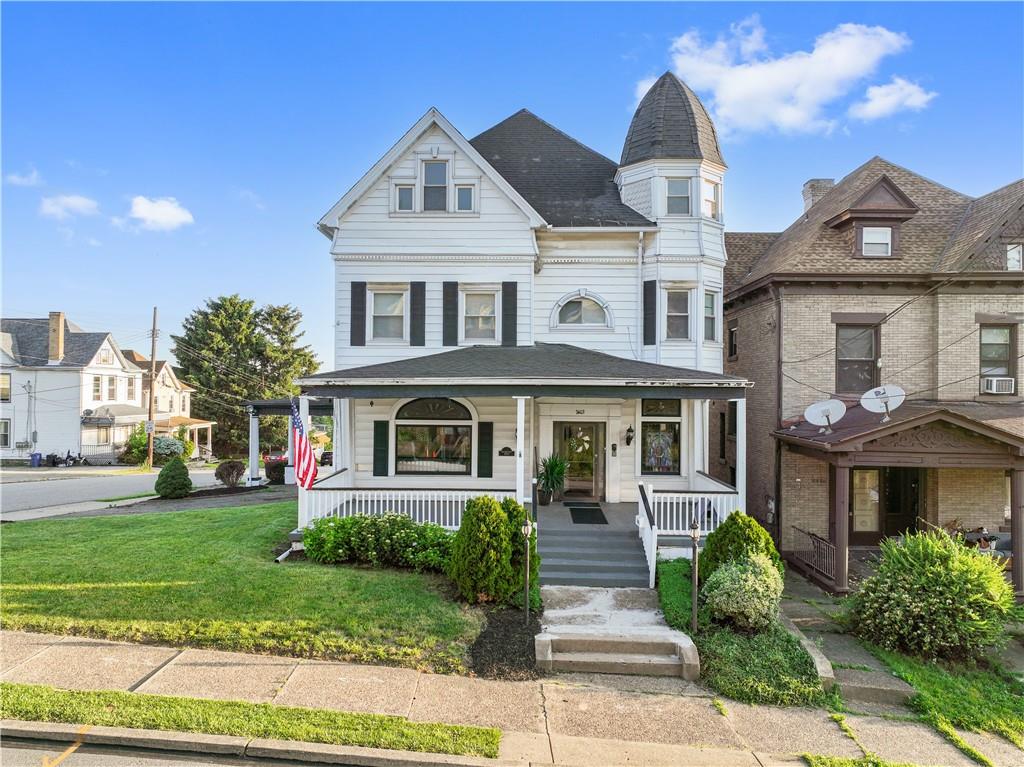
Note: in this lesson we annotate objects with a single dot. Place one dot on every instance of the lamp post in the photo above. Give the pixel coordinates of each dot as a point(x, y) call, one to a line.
point(694, 539)
point(526, 530)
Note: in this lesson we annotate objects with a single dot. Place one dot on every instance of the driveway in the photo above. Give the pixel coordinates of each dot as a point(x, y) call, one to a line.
point(57, 489)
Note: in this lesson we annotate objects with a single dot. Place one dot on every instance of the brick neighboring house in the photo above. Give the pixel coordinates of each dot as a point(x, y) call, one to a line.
point(887, 278)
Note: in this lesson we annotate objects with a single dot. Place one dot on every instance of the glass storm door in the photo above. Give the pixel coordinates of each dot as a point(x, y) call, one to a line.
point(580, 445)
point(865, 506)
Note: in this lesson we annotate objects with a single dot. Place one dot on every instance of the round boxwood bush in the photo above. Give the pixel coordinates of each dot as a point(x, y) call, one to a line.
point(229, 472)
point(481, 559)
point(934, 597)
point(275, 471)
point(173, 481)
point(738, 537)
point(745, 593)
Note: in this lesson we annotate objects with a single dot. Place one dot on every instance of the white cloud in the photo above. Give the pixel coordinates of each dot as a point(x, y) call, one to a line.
point(32, 178)
point(65, 206)
point(895, 96)
point(252, 198)
point(159, 214)
point(753, 90)
point(641, 89)
point(93, 242)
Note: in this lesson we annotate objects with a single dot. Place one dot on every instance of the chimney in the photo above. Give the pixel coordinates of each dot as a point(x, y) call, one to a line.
point(815, 189)
point(56, 336)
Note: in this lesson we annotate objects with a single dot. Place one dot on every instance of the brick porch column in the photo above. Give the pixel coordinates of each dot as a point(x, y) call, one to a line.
point(1017, 529)
point(841, 524)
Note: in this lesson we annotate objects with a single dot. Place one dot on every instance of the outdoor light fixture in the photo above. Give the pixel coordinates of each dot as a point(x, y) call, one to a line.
point(695, 539)
point(526, 530)
point(629, 436)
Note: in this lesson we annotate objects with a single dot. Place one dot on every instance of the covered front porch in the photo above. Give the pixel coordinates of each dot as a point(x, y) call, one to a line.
point(172, 425)
point(956, 466)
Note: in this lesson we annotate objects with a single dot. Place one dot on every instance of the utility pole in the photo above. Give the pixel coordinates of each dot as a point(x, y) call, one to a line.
point(152, 388)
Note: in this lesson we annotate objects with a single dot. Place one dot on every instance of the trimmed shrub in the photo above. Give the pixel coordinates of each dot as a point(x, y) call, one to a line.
point(738, 537)
point(517, 516)
point(173, 480)
point(275, 471)
point(481, 561)
point(229, 472)
point(745, 593)
point(136, 447)
point(935, 598)
point(390, 540)
point(165, 449)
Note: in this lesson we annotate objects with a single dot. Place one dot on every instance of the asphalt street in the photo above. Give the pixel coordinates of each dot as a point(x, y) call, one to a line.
point(58, 489)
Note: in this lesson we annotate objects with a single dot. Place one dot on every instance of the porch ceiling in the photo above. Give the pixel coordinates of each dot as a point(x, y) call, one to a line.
point(537, 370)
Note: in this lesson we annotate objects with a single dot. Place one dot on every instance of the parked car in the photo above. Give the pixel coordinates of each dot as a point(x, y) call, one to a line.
point(275, 455)
point(327, 458)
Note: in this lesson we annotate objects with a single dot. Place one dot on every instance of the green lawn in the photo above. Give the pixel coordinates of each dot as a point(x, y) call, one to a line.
point(208, 579)
point(39, 703)
point(768, 668)
point(126, 497)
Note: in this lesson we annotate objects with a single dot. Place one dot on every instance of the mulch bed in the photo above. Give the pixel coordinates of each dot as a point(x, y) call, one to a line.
point(504, 649)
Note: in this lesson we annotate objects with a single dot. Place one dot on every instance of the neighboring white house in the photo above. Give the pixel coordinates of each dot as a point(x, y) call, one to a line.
point(64, 389)
point(518, 294)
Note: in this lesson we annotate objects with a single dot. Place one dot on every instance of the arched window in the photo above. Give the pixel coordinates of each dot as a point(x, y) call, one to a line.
point(433, 435)
point(581, 309)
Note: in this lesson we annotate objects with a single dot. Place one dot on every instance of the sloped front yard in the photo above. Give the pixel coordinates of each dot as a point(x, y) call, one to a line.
point(208, 579)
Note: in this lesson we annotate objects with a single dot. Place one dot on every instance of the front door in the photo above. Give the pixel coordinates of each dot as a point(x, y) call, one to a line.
point(883, 501)
point(582, 446)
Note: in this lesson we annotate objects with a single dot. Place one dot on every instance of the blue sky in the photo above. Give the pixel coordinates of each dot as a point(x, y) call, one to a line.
point(162, 154)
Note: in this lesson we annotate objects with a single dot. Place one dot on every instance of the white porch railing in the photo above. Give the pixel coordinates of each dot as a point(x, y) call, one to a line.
point(674, 512)
point(442, 507)
point(645, 521)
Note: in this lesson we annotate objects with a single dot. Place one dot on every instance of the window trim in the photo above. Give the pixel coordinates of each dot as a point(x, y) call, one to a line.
point(448, 165)
point(877, 336)
point(1011, 366)
point(709, 183)
point(715, 303)
point(10, 383)
point(555, 322)
point(1020, 256)
point(894, 238)
point(689, 291)
point(97, 388)
point(684, 446)
point(111, 385)
point(394, 422)
point(5, 436)
point(479, 289)
point(130, 388)
point(732, 345)
point(396, 204)
point(371, 290)
point(99, 431)
point(688, 180)
point(459, 186)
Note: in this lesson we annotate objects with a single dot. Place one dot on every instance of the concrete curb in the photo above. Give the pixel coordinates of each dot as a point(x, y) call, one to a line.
point(822, 665)
point(229, 745)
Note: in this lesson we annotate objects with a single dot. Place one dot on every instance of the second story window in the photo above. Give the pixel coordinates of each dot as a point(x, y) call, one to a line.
point(710, 316)
point(387, 319)
point(97, 387)
point(5, 387)
point(678, 200)
point(435, 186)
point(996, 357)
point(712, 202)
point(131, 387)
point(184, 403)
point(677, 321)
point(1014, 260)
point(733, 342)
point(111, 387)
point(876, 241)
point(479, 322)
point(856, 358)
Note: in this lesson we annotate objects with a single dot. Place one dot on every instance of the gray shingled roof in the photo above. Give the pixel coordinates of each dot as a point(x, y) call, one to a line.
point(540, 361)
point(671, 123)
point(32, 342)
point(985, 217)
point(568, 183)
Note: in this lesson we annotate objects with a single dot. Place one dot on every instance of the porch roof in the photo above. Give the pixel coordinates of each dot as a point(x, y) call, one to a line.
point(1001, 422)
point(538, 370)
point(177, 421)
point(283, 406)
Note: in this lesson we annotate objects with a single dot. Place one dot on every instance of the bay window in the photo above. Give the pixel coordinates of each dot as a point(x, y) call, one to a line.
point(677, 318)
point(677, 202)
point(710, 316)
point(712, 199)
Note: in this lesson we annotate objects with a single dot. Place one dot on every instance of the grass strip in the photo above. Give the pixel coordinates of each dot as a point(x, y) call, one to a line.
point(39, 703)
point(126, 497)
point(871, 760)
point(766, 668)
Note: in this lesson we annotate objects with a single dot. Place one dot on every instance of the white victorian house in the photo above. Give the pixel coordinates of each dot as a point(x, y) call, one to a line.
point(503, 298)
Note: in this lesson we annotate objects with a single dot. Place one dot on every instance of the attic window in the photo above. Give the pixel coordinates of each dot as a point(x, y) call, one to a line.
point(876, 241)
point(435, 185)
point(1013, 257)
point(403, 200)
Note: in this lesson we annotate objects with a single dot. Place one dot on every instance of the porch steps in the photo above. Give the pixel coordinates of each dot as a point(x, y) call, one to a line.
point(665, 653)
point(583, 556)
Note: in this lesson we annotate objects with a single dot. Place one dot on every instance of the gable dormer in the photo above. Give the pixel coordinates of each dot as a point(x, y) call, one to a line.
point(875, 219)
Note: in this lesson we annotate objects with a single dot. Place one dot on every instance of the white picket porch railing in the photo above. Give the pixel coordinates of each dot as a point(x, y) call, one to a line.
point(442, 507)
point(674, 512)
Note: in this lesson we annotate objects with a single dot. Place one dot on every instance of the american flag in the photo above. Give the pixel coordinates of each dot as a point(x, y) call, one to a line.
point(305, 460)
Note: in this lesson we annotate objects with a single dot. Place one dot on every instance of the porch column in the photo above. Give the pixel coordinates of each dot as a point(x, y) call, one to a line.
point(254, 449)
point(340, 406)
point(841, 520)
point(521, 448)
point(697, 430)
point(741, 453)
point(209, 441)
point(1017, 528)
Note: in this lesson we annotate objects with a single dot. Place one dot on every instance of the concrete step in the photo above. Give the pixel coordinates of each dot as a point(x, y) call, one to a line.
point(629, 644)
point(594, 578)
point(872, 687)
point(594, 549)
point(588, 531)
point(559, 565)
point(618, 663)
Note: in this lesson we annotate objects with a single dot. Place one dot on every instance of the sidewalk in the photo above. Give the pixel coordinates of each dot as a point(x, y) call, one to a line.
point(574, 719)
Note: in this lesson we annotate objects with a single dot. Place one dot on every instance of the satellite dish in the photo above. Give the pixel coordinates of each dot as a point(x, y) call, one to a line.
point(883, 399)
point(824, 414)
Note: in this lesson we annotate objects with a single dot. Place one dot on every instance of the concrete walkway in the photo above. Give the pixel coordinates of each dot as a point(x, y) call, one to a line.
point(565, 720)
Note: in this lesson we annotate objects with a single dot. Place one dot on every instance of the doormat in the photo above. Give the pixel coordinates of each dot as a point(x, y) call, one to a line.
point(587, 516)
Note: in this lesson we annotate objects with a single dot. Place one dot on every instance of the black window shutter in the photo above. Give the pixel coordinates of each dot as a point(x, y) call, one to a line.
point(650, 312)
point(357, 326)
point(450, 314)
point(380, 448)
point(509, 313)
point(485, 449)
point(417, 313)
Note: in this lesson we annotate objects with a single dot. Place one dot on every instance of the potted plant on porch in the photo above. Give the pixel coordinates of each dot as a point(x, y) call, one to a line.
point(551, 479)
